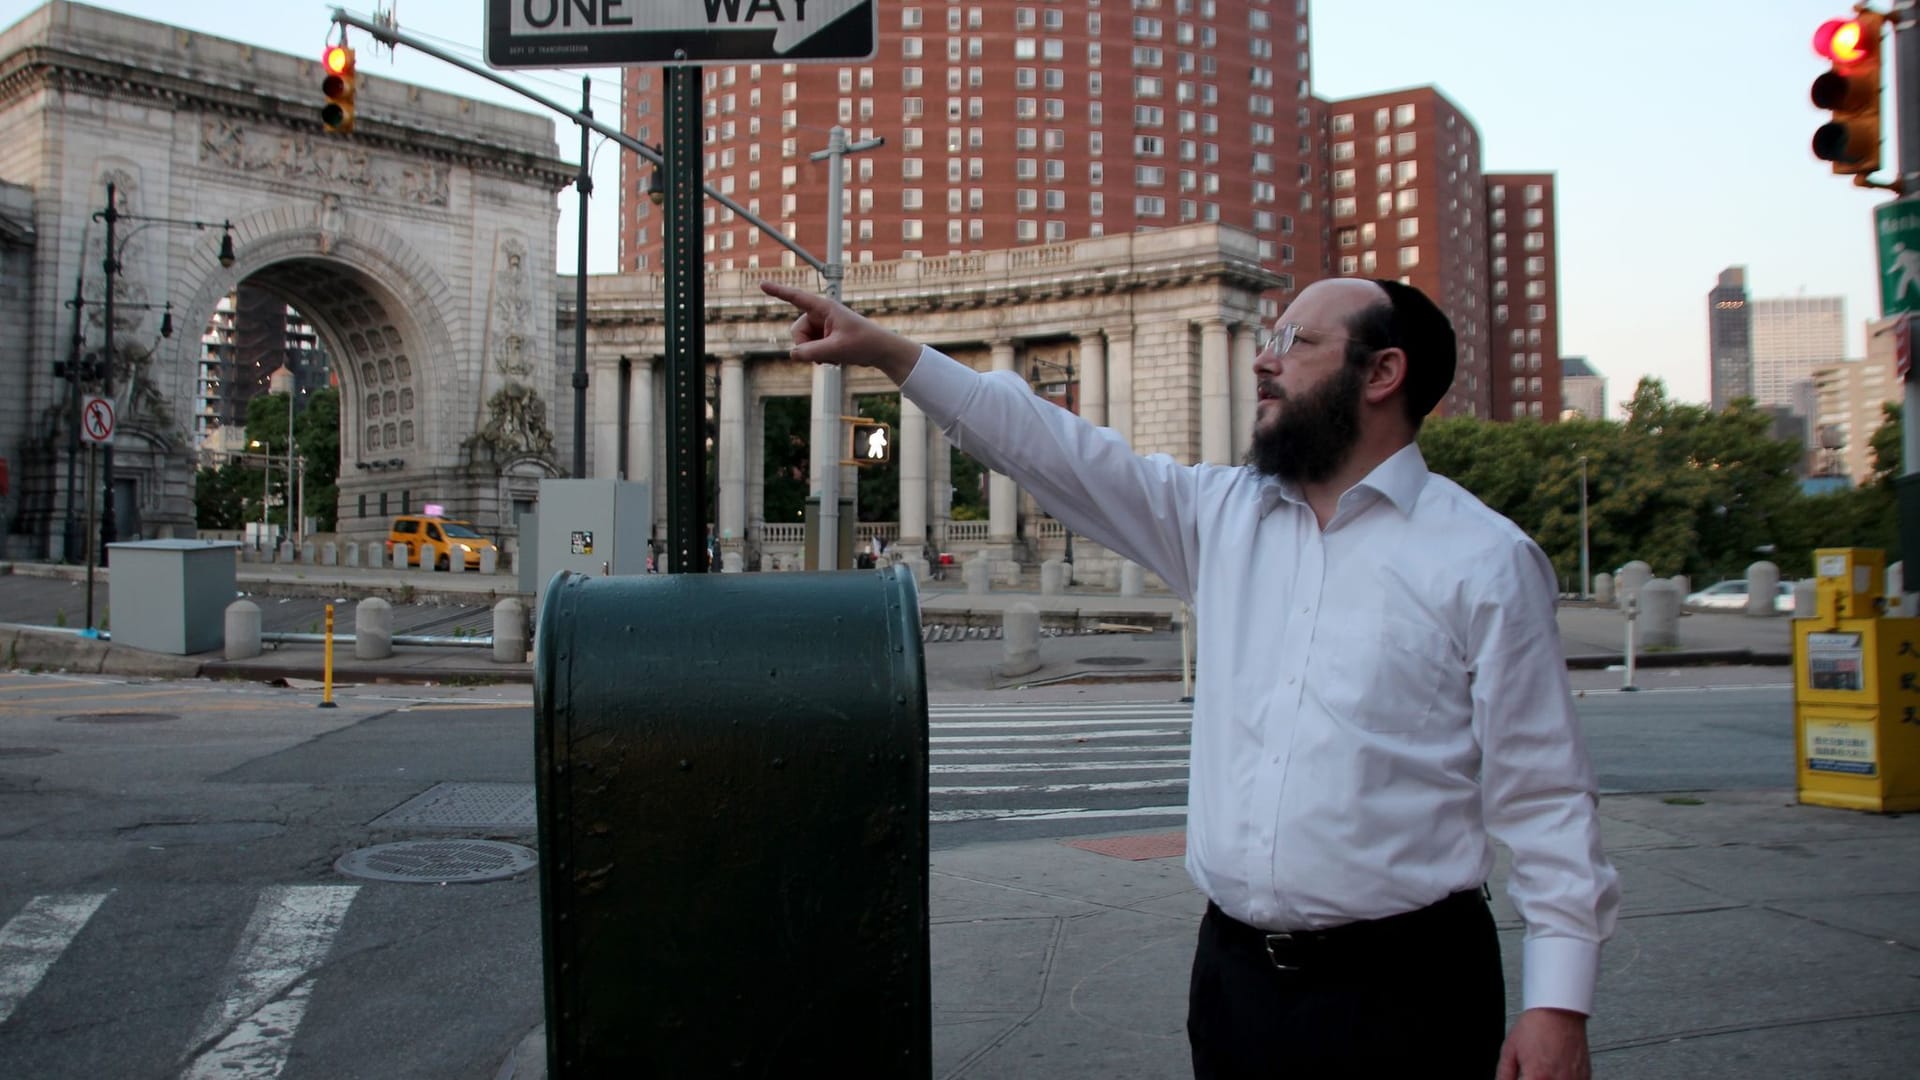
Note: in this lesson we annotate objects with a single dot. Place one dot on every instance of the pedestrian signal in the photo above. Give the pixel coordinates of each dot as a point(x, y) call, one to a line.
point(1850, 90)
point(869, 442)
point(337, 114)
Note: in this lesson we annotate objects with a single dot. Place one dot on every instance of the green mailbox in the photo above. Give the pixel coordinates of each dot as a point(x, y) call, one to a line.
point(732, 787)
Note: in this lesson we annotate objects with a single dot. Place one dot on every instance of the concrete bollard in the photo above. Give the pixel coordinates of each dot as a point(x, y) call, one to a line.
point(921, 568)
point(1603, 588)
point(1133, 579)
point(1683, 583)
point(1806, 598)
point(373, 629)
point(1053, 574)
point(1020, 632)
point(243, 630)
point(286, 551)
point(375, 554)
point(1763, 586)
point(330, 554)
point(489, 560)
point(1659, 614)
point(308, 553)
point(456, 561)
point(977, 573)
point(353, 553)
point(402, 556)
point(1633, 577)
point(509, 631)
point(732, 563)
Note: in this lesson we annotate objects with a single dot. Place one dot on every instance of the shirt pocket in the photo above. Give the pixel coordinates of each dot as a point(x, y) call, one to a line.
point(1387, 677)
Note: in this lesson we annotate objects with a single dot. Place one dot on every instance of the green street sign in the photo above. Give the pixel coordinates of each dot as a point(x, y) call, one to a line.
point(1896, 225)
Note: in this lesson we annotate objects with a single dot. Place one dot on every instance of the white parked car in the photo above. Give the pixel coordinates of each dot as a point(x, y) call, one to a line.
point(1732, 596)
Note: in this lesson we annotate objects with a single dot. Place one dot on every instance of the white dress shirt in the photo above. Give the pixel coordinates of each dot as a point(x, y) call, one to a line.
point(1375, 699)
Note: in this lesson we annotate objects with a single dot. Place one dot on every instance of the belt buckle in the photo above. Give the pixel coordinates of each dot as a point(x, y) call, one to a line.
point(1283, 941)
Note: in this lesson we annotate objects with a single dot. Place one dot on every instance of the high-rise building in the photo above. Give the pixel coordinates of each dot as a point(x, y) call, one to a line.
point(1408, 202)
point(251, 334)
point(1791, 337)
point(1008, 124)
point(1524, 283)
point(1851, 396)
point(1729, 338)
point(1583, 390)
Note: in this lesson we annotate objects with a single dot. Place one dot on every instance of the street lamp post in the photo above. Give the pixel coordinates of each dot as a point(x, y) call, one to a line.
point(1583, 527)
point(110, 265)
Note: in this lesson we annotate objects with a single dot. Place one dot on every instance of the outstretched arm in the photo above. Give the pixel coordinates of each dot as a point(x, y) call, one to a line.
point(829, 332)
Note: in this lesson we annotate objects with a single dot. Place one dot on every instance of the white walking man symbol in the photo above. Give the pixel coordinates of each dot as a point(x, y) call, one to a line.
point(1906, 264)
point(877, 444)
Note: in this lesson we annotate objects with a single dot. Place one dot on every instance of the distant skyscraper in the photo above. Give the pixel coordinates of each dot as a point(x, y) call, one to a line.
point(1851, 396)
point(1523, 272)
point(1730, 338)
point(1791, 337)
point(1583, 391)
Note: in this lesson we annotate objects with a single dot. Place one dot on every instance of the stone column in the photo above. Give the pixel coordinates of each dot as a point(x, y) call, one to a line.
point(730, 517)
point(606, 420)
point(1002, 495)
point(1245, 394)
point(640, 449)
point(913, 479)
point(940, 468)
point(1093, 378)
point(1216, 401)
point(1120, 381)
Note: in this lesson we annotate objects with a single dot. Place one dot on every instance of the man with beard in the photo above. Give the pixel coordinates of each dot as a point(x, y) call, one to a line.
point(1381, 696)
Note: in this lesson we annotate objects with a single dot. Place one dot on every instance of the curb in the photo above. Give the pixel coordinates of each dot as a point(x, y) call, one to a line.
point(1684, 658)
point(362, 675)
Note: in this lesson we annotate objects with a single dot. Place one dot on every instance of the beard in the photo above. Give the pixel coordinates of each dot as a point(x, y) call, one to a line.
point(1314, 433)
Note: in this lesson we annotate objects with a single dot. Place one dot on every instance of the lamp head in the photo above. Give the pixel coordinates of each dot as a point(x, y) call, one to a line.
point(226, 248)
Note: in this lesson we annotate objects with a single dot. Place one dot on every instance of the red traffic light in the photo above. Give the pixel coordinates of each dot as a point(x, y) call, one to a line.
point(1845, 41)
point(338, 60)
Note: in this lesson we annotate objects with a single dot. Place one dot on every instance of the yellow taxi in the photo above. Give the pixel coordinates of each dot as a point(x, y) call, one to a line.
point(432, 541)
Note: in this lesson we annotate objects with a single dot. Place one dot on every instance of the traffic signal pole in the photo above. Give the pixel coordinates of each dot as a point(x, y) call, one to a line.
point(828, 379)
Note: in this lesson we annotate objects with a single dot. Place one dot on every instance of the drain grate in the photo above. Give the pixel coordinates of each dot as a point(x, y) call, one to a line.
point(420, 862)
point(464, 806)
point(26, 751)
point(1113, 661)
point(119, 718)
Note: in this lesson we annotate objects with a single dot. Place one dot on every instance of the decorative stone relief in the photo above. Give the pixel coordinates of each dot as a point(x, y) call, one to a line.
point(512, 309)
point(516, 425)
point(303, 159)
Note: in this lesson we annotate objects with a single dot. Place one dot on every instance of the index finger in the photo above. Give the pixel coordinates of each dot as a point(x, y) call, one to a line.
point(800, 298)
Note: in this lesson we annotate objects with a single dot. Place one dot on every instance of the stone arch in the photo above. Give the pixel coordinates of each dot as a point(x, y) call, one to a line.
point(386, 316)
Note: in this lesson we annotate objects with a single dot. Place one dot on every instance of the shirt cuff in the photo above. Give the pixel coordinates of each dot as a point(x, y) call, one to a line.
point(939, 384)
point(1559, 973)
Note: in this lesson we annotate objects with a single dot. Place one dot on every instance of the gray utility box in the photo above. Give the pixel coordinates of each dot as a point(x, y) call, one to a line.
point(592, 527)
point(171, 596)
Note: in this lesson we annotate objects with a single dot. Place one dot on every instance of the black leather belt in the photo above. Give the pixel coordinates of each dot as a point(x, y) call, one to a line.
point(1344, 946)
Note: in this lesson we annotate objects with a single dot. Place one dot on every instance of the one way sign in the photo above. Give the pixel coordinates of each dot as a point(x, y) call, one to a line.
point(573, 33)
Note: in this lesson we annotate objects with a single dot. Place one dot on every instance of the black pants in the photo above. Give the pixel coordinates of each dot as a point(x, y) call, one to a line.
point(1419, 995)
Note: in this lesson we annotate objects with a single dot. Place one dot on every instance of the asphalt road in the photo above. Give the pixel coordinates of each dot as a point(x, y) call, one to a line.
point(170, 905)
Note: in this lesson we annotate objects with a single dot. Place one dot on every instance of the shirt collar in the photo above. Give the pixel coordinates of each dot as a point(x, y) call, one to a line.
point(1399, 479)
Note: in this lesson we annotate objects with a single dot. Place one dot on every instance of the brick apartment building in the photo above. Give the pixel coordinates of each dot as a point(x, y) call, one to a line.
point(1017, 123)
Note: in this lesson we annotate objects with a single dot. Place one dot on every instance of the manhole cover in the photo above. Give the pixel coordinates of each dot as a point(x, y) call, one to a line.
point(1113, 661)
point(119, 718)
point(435, 861)
point(26, 751)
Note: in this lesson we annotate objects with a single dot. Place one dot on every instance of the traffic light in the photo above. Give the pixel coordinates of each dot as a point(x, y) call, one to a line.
point(1851, 92)
point(869, 442)
point(337, 114)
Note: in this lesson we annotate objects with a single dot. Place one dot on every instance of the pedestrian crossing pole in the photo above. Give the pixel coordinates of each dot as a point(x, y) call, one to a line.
point(326, 679)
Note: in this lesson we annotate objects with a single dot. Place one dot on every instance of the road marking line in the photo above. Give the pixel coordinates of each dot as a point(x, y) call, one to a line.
point(940, 817)
point(1063, 767)
point(1029, 725)
point(1076, 751)
point(1059, 737)
point(1055, 789)
point(269, 982)
point(31, 941)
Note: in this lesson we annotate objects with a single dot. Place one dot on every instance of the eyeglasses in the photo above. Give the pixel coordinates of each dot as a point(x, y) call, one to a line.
point(1280, 339)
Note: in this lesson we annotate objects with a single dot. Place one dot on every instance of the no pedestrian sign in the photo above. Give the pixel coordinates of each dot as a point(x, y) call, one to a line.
point(96, 420)
point(572, 33)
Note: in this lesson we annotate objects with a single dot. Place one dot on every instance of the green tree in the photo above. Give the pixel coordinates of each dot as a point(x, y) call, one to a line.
point(785, 459)
point(220, 496)
point(969, 481)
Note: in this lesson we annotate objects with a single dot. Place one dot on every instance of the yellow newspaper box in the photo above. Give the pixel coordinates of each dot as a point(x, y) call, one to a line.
point(1856, 692)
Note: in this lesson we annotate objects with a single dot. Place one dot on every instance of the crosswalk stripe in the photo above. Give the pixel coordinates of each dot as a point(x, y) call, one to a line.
point(1055, 737)
point(268, 984)
point(1077, 751)
point(995, 725)
point(31, 941)
point(1058, 767)
point(1056, 789)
